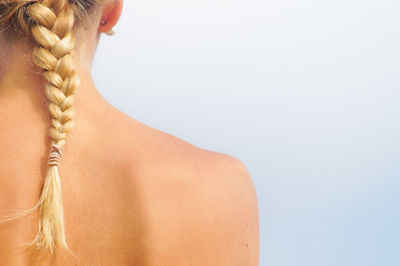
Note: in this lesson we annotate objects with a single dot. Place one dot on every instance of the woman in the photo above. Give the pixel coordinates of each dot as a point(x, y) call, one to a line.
point(131, 195)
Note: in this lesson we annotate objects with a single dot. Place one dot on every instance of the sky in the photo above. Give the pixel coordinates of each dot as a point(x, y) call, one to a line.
point(304, 92)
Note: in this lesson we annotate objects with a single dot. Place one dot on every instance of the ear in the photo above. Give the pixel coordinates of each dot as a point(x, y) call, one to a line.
point(111, 13)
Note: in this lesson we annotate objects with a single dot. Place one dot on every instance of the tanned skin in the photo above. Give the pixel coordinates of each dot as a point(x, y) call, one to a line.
point(132, 195)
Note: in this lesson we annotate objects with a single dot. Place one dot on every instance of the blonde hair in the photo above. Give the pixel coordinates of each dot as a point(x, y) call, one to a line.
point(49, 24)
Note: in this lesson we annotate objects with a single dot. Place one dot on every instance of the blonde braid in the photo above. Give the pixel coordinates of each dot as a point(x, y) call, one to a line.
point(50, 23)
point(53, 22)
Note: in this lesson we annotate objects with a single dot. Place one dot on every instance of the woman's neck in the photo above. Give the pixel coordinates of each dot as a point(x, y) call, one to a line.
point(22, 87)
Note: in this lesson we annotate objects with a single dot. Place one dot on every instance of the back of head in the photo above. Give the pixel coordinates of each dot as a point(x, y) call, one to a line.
point(22, 15)
point(49, 24)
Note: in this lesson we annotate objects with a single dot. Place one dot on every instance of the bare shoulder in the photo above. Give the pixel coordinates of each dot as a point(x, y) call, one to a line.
point(201, 205)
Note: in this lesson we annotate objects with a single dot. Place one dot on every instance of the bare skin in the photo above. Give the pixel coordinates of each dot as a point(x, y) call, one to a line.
point(133, 195)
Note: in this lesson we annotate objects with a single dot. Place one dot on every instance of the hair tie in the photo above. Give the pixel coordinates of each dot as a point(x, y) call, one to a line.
point(55, 154)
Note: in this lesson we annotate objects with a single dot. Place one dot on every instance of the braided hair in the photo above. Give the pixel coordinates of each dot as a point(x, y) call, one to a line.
point(49, 24)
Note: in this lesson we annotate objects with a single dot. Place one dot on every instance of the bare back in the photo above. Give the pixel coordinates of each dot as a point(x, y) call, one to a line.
point(132, 195)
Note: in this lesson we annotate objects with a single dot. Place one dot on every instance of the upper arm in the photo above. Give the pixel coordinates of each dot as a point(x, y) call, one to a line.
point(206, 214)
point(224, 214)
point(235, 206)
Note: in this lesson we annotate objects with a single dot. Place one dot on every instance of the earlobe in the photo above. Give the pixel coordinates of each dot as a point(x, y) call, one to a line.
point(110, 16)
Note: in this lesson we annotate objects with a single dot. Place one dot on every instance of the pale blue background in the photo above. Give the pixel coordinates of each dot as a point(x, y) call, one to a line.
point(304, 92)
